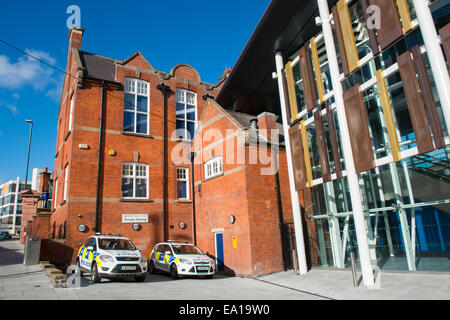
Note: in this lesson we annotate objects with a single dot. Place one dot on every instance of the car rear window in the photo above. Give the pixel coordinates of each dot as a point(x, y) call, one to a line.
point(115, 244)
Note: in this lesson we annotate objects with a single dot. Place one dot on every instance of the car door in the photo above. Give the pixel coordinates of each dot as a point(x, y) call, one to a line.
point(156, 256)
point(166, 258)
point(82, 255)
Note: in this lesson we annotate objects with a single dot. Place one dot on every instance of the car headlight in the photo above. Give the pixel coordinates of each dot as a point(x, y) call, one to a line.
point(143, 259)
point(185, 261)
point(106, 258)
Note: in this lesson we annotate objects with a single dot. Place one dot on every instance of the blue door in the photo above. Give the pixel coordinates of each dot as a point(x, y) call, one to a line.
point(219, 251)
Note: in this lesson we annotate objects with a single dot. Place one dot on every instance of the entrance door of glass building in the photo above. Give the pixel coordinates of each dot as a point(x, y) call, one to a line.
point(407, 216)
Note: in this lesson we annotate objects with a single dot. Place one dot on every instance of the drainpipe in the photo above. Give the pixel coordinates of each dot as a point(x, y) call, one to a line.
point(164, 90)
point(193, 198)
point(99, 159)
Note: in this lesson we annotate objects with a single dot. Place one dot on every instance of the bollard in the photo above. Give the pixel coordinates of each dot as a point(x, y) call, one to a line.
point(352, 257)
point(294, 262)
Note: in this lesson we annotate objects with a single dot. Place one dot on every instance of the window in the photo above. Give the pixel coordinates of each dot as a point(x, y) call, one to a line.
point(134, 181)
point(213, 167)
point(66, 177)
point(135, 109)
point(182, 183)
point(71, 114)
point(186, 114)
point(55, 193)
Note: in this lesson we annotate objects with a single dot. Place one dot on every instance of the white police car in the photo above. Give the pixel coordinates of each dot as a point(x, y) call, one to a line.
point(111, 256)
point(180, 259)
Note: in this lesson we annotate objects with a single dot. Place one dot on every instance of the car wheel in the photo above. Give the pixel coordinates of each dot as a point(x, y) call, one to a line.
point(140, 278)
point(174, 271)
point(94, 274)
point(151, 267)
point(79, 267)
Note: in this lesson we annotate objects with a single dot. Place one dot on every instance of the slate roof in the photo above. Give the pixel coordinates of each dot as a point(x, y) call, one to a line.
point(98, 67)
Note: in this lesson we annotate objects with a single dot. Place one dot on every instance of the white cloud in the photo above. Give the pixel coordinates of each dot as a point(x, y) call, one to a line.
point(28, 71)
point(10, 106)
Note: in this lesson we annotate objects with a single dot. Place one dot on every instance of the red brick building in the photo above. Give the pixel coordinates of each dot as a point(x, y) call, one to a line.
point(111, 135)
point(119, 131)
point(239, 215)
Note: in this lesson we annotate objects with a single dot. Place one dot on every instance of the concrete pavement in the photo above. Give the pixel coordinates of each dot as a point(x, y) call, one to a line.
point(18, 282)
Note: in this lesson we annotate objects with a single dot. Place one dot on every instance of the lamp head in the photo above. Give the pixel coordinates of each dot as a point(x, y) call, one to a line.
point(30, 121)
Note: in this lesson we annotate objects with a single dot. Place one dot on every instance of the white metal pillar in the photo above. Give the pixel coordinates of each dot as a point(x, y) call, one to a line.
point(435, 55)
point(355, 195)
point(298, 225)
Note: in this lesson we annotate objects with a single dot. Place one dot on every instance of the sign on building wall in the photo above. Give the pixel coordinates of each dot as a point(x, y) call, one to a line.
point(134, 218)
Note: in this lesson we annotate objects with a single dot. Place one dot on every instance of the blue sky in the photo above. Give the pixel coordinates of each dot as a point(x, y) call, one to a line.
point(207, 34)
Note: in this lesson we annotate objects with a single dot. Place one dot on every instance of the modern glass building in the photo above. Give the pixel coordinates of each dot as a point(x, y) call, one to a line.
point(364, 92)
point(11, 205)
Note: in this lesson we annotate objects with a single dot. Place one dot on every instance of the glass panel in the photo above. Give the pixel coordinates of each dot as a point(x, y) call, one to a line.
point(142, 104)
point(181, 190)
point(141, 188)
point(181, 132)
point(191, 130)
point(128, 121)
point(141, 123)
point(190, 113)
point(127, 187)
point(129, 101)
point(299, 91)
point(180, 96)
point(190, 98)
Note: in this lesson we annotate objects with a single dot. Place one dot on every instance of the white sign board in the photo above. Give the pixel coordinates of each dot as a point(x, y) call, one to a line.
point(134, 218)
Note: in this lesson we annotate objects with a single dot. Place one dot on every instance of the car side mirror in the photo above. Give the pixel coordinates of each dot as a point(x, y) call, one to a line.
point(168, 253)
point(90, 248)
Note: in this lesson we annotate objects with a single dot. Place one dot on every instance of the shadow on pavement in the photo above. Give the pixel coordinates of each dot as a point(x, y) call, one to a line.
point(10, 253)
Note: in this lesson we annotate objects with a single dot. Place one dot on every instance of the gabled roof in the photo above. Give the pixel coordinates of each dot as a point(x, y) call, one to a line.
point(98, 67)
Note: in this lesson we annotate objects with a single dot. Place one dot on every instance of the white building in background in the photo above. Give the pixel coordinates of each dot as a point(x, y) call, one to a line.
point(11, 205)
point(11, 202)
point(36, 178)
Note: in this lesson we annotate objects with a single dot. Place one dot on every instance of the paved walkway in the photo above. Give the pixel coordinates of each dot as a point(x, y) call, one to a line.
point(30, 282)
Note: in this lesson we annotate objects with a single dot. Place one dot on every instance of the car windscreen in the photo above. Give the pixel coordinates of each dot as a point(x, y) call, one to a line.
point(115, 244)
point(186, 249)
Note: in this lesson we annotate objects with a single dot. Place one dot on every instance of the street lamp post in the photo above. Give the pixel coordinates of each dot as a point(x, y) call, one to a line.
point(29, 148)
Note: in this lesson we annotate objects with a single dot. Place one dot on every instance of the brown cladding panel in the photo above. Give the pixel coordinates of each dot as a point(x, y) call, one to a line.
point(311, 80)
point(306, 76)
point(445, 37)
point(297, 158)
point(334, 142)
point(415, 103)
point(390, 26)
point(428, 99)
point(322, 145)
point(340, 41)
point(286, 96)
point(358, 127)
point(372, 36)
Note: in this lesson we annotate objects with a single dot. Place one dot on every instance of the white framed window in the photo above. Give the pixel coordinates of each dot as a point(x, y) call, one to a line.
point(186, 114)
point(134, 181)
point(66, 177)
point(71, 114)
point(213, 167)
point(136, 106)
point(55, 194)
point(183, 183)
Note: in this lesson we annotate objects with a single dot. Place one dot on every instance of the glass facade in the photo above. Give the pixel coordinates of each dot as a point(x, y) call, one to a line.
point(404, 183)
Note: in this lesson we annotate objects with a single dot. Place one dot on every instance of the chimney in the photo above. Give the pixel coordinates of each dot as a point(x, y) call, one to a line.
point(266, 123)
point(44, 180)
point(75, 36)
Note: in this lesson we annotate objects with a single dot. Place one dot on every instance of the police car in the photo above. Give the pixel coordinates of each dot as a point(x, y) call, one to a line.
point(110, 256)
point(180, 259)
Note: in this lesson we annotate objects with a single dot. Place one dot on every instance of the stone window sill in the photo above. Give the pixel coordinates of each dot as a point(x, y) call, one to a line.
point(135, 200)
point(183, 201)
point(142, 135)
